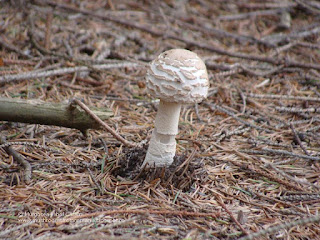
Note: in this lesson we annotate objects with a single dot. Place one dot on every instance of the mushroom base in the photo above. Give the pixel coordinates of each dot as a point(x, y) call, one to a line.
point(181, 177)
point(161, 150)
point(162, 146)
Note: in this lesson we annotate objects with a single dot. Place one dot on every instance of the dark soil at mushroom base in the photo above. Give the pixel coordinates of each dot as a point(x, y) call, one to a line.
point(181, 177)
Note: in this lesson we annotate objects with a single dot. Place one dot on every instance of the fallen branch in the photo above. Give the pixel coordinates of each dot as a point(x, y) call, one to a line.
point(103, 124)
point(58, 114)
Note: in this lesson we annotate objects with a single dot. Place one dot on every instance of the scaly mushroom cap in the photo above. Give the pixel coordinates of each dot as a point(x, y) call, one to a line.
point(178, 75)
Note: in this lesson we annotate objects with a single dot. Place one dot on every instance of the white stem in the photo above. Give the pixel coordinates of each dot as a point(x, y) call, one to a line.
point(162, 146)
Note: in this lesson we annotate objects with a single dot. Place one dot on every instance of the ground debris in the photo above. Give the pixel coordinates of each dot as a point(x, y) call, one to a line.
point(182, 178)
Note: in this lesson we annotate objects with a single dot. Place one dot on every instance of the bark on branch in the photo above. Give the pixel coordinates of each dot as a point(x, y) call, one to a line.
point(58, 114)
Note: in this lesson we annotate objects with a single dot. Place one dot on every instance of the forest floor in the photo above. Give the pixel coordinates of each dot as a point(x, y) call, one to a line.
point(248, 157)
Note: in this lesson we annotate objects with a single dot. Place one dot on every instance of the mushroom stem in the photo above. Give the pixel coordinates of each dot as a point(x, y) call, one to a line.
point(162, 146)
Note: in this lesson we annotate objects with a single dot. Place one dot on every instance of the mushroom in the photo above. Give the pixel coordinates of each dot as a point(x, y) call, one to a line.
point(176, 77)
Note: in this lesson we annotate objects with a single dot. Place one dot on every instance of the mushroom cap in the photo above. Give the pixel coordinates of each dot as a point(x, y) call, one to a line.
point(178, 75)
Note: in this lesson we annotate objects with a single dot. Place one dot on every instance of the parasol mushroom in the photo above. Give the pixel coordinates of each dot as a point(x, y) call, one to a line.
point(176, 77)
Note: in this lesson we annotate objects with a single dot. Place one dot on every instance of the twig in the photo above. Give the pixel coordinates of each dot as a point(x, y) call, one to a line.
point(270, 199)
point(251, 169)
point(8, 61)
point(298, 140)
point(139, 102)
point(95, 181)
point(7, 45)
point(244, 100)
point(309, 45)
point(111, 202)
point(298, 181)
point(77, 87)
point(258, 5)
point(308, 6)
point(48, 30)
point(212, 107)
point(282, 97)
point(314, 29)
point(262, 206)
point(68, 48)
point(61, 71)
point(297, 110)
point(300, 197)
point(240, 68)
point(260, 73)
point(238, 131)
point(104, 125)
point(220, 202)
point(278, 50)
point(280, 152)
point(186, 163)
point(85, 233)
point(249, 14)
point(309, 120)
point(20, 159)
point(226, 73)
point(165, 19)
point(256, 142)
point(315, 128)
point(8, 231)
point(223, 66)
point(8, 144)
point(287, 225)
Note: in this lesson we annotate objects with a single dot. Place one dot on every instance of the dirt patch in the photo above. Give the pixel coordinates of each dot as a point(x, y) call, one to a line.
point(182, 173)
